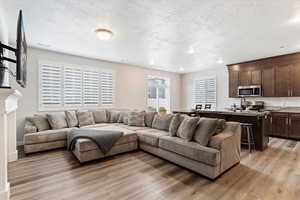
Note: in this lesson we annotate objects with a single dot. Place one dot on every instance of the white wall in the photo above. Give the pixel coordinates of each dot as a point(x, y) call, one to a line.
point(223, 101)
point(131, 85)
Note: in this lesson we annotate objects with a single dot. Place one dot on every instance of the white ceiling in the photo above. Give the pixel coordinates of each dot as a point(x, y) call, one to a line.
point(159, 33)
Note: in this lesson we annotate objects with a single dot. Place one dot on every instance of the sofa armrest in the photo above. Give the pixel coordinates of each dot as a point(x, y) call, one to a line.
point(228, 142)
point(29, 127)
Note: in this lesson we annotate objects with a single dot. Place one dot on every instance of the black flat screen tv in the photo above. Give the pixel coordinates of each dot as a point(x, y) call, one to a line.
point(21, 53)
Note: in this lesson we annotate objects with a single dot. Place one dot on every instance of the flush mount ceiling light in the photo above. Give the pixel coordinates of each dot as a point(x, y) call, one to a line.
point(104, 34)
point(191, 50)
point(181, 69)
point(220, 61)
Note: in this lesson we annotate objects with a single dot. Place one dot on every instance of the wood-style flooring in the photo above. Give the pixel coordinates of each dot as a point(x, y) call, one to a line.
point(56, 175)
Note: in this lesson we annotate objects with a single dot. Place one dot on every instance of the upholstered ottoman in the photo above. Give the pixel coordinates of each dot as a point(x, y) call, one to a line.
point(86, 150)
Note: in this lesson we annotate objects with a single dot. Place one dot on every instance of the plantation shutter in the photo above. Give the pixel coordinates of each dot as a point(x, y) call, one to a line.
point(50, 85)
point(91, 87)
point(205, 92)
point(72, 86)
point(107, 88)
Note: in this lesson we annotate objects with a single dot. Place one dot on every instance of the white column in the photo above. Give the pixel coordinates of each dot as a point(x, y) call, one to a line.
point(12, 153)
point(8, 106)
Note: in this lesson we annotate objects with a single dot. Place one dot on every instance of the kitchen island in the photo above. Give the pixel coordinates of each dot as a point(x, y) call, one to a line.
point(258, 119)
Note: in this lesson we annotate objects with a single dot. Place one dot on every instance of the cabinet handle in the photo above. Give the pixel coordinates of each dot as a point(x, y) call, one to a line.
point(271, 120)
point(287, 121)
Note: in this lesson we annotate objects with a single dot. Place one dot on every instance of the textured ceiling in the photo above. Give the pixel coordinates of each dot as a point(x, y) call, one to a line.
point(160, 33)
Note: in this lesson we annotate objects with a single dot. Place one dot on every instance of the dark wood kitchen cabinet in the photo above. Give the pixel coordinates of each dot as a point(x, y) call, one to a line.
point(280, 124)
point(285, 125)
point(282, 80)
point(233, 83)
point(279, 76)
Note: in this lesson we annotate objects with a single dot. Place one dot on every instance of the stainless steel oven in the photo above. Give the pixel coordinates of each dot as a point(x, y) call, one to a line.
point(249, 91)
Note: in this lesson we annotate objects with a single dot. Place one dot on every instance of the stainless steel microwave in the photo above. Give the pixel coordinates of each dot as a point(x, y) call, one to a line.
point(249, 91)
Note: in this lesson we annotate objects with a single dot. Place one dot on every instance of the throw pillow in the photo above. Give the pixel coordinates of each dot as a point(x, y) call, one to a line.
point(175, 122)
point(136, 118)
point(187, 128)
point(114, 116)
point(149, 116)
point(71, 118)
point(162, 122)
point(57, 120)
point(100, 116)
point(85, 118)
point(220, 126)
point(205, 130)
point(123, 117)
point(41, 122)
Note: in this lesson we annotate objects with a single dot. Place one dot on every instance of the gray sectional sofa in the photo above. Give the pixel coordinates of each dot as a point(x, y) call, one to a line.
point(206, 146)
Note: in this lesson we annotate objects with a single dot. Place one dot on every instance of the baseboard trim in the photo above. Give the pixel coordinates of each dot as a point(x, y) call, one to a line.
point(13, 156)
point(4, 194)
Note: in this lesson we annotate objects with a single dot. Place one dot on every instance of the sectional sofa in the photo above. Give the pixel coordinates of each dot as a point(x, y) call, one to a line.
point(206, 146)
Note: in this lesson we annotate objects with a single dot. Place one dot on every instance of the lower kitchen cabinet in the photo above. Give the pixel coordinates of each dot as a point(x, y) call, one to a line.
point(285, 125)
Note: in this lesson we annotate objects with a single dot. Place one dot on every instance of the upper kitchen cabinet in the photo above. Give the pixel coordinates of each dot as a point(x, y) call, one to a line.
point(279, 76)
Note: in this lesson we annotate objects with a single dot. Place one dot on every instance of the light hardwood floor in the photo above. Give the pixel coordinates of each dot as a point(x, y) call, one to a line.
point(273, 174)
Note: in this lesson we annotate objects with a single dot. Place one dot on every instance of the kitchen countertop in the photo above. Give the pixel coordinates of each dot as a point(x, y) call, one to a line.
point(226, 112)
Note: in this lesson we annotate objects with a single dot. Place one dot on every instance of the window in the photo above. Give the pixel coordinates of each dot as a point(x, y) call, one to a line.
point(158, 92)
point(65, 86)
point(204, 92)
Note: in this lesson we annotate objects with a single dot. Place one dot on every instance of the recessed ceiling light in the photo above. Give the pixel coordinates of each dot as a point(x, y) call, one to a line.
point(181, 69)
point(220, 61)
point(191, 50)
point(151, 62)
point(104, 34)
point(295, 20)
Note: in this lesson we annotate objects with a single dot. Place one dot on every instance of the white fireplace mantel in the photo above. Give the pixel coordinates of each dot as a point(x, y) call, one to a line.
point(8, 142)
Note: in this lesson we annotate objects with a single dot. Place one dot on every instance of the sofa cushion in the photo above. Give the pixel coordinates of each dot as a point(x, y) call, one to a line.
point(41, 122)
point(85, 118)
point(136, 118)
point(187, 128)
point(57, 120)
point(190, 150)
point(100, 116)
point(114, 116)
point(96, 125)
point(132, 128)
point(149, 116)
point(220, 126)
point(123, 117)
point(162, 122)
point(174, 125)
point(71, 118)
point(205, 130)
point(46, 136)
point(150, 136)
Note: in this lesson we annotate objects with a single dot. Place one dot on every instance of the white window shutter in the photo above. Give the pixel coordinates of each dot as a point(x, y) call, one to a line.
point(204, 92)
point(50, 86)
point(72, 86)
point(107, 88)
point(90, 87)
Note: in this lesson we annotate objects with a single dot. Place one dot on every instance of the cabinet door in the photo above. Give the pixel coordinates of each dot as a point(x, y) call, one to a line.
point(233, 83)
point(295, 85)
point(280, 124)
point(256, 77)
point(245, 78)
point(294, 126)
point(268, 82)
point(282, 79)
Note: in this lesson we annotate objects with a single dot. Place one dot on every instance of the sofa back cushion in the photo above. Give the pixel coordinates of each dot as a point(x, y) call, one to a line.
point(100, 116)
point(149, 116)
point(136, 118)
point(123, 117)
point(205, 130)
point(162, 122)
point(71, 118)
point(187, 128)
point(220, 126)
point(57, 120)
point(175, 123)
point(41, 122)
point(85, 118)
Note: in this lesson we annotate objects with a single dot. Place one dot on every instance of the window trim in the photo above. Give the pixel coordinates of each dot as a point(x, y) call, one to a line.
point(42, 108)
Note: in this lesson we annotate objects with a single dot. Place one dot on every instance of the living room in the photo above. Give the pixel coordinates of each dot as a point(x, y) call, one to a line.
point(149, 100)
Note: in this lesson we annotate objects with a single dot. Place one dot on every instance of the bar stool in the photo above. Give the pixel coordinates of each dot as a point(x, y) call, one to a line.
point(247, 130)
